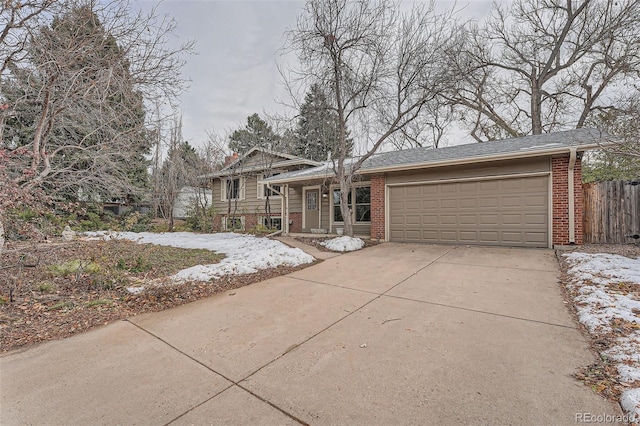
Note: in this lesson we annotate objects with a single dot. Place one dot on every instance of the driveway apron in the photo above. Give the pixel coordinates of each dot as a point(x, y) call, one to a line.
point(392, 334)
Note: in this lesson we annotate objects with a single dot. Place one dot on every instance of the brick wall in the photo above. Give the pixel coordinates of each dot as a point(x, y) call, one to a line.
point(377, 206)
point(560, 209)
point(296, 226)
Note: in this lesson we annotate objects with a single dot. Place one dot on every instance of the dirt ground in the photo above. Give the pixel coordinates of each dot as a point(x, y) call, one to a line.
point(56, 289)
point(602, 375)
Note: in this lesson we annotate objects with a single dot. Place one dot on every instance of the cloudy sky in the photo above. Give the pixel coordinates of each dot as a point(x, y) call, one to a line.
point(238, 42)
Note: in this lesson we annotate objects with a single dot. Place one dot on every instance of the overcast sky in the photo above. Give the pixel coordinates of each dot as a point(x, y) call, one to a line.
point(238, 42)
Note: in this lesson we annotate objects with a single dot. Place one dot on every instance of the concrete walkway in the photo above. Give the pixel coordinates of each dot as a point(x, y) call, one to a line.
point(313, 251)
point(393, 334)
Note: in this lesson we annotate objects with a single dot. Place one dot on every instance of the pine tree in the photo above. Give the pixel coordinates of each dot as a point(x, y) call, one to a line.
point(316, 135)
point(257, 132)
point(76, 97)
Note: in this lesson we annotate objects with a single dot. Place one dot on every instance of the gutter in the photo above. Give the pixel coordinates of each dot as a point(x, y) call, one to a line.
point(571, 194)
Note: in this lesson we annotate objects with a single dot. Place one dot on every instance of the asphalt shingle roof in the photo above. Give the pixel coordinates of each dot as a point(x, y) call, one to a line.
point(527, 146)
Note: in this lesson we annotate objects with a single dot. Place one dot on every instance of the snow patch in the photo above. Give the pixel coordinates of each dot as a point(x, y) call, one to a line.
point(630, 402)
point(603, 308)
point(245, 254)
point(344, 243)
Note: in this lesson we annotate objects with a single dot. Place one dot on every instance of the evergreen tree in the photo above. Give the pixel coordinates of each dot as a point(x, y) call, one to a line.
point(76, 97)
point(317, 131)
point(257, 132)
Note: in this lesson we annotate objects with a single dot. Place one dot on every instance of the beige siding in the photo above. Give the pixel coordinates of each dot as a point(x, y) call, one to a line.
point(250, 204)
point(295, 199)
point(260, 159)
point(493, 168)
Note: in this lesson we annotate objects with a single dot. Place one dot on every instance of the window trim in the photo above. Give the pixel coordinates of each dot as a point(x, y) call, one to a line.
point(241, 190)
point(332, 206)
point(262, 219)
point(261, 187)
point(225, 219)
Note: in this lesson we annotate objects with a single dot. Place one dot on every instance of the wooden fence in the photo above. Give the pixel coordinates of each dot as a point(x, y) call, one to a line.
point(611, 212)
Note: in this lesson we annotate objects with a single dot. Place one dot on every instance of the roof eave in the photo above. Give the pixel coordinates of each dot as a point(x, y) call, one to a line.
point(456, 162)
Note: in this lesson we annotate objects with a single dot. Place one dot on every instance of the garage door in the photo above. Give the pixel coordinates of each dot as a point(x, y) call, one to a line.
point(509, 212)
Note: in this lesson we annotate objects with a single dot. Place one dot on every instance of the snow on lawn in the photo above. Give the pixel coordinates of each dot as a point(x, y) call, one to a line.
point(607, 289)
point(245, 254)
point(344, 243)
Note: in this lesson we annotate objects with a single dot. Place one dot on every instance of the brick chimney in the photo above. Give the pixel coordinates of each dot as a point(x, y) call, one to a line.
point(230, 159)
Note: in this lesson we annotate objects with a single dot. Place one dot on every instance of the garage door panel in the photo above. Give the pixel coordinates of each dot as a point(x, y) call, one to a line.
point(511, 219)
point(430, 220)
point(468, 219)
point(509, 211)
point(488, 237)
point(448, 203)
point(468, 203)
point(448, 219)
point(412, 205)
point(537, 200)
point(468, 236)
point(413, 220)
point(489, 219)
point(450, 236)
point(488, 185)
point(430, 204)
point(431, 236)
point(535, 219)
point(488, 202)
point(511, 201)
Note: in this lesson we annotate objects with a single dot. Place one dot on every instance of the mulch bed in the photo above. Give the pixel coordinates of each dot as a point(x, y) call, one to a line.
point(38, 302)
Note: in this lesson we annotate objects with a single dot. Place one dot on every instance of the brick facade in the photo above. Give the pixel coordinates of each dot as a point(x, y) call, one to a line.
point(560, 197)
point(250, 220)
point(296, 222)
point(378, 206)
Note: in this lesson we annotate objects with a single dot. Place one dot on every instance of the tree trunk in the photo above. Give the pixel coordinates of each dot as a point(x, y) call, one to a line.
point(536, 106)
point(345, 209)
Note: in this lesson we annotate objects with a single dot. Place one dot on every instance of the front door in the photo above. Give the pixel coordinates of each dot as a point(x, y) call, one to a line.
point(312, 209)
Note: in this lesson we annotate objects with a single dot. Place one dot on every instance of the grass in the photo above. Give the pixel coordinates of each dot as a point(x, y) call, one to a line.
point(99, 302)
point(75, 266)
point(60, 305)
point(45, 287)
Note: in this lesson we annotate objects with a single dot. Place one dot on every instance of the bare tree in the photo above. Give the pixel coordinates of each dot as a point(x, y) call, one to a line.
point(540, 66)
point(76, 78)
point(381, 68)
point(76, 97)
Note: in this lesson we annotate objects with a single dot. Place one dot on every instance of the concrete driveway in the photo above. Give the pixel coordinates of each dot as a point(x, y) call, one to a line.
point(393, 334)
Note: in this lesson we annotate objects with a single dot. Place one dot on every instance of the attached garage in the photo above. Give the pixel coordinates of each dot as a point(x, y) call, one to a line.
point(511, 211)
point(523, 192)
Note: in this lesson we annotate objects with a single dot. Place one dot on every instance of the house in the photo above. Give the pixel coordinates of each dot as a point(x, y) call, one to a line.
point(524, 192)
point(243, 202)
point(186, 198)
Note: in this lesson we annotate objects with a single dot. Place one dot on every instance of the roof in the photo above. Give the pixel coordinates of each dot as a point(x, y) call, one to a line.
point(287, 160)
point(416, 158)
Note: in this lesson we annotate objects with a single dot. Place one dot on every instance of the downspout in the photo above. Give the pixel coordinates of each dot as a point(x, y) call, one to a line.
point(286, 190)
point(571, 194)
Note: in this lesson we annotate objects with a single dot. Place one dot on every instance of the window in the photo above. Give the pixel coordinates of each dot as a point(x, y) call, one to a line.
point(363, 204)
point(362, 211)
point(264, 191)
point(233, 223)
point(312, 200)
point(232, 189)
point(272, 223)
